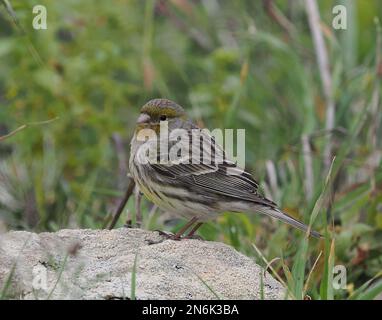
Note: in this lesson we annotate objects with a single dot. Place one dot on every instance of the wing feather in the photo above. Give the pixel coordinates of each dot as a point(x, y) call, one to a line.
point(213, 177)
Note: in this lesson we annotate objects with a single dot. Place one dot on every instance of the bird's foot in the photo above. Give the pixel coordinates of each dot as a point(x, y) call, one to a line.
point(169, 235)
point(177, 237)
point(165, 236)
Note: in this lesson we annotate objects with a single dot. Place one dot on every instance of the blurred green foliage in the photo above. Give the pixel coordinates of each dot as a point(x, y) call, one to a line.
point(232, 65)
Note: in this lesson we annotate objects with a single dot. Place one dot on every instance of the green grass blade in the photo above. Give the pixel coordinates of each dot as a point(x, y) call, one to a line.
point(7, 283)
point(298, 270)
point(358, 292)
point(207, 286)
point(262, 285)
point(134, 278)
point(372, 292)
point(326, 287)
point(59, 276)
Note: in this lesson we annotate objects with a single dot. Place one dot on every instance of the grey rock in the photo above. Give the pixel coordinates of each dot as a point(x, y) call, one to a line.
point(99, 264)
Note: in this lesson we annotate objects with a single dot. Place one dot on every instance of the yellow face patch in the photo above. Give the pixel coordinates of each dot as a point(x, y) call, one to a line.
point(152, 126)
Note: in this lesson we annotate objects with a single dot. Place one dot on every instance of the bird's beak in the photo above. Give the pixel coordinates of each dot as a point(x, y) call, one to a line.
point(143, 118)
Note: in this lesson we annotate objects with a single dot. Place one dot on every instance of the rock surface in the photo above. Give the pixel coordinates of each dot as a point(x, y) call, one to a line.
point(99, 264)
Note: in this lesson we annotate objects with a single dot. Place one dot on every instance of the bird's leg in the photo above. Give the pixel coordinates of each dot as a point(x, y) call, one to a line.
point(190, 235)
point(178, 235)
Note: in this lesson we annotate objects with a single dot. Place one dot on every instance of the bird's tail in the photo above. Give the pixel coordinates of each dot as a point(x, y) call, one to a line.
point(278, 214)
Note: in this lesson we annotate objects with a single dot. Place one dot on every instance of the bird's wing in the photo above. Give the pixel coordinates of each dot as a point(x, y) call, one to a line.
point(222, 177)
point(218, 178)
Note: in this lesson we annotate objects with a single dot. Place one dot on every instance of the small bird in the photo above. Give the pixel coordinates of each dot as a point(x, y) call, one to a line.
point(196, 190)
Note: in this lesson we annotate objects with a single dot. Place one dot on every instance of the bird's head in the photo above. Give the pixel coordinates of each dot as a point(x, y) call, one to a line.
point(157, 110)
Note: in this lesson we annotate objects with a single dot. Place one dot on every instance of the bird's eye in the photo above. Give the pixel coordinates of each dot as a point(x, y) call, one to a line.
point(163, 117)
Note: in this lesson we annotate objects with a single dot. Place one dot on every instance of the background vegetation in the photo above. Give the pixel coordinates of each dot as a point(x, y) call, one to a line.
point(75, 90)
